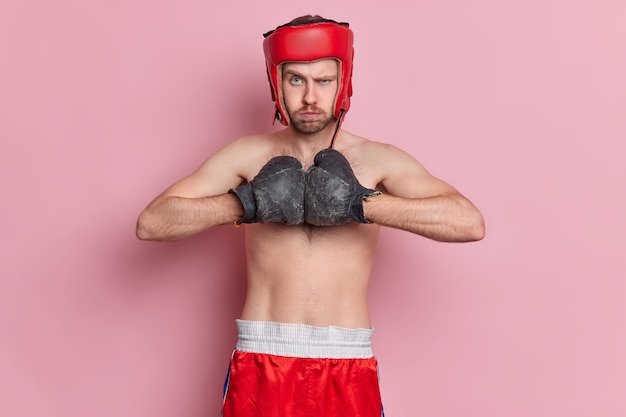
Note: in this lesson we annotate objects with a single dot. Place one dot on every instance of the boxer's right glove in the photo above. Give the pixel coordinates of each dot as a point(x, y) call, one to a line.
point(275, 194)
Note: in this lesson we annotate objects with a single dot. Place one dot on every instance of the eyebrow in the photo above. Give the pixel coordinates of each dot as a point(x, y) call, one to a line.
point(297, 74)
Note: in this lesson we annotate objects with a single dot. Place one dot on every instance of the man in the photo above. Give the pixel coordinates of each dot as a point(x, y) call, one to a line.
point(312, 197)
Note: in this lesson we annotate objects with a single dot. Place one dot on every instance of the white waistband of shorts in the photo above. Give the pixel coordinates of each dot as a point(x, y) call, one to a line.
point(303, 340)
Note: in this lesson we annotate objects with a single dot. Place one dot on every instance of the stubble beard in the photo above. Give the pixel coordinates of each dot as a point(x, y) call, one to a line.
point(309, 127)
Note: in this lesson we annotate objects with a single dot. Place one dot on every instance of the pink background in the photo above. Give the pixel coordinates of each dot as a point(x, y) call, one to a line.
point(519, 104)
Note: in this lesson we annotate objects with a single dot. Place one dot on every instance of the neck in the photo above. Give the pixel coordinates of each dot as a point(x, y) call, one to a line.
point(321, 140)
point(305, 146)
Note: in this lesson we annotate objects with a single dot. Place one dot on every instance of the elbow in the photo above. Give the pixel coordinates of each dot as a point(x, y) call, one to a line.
point(468, 228)
point(144, 229)
point(141, 231)
point(476, 231)
point(474, 224)
point(152, 227)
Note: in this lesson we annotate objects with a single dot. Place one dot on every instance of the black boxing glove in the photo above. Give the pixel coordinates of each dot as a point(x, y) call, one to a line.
point(333, 194)
point(275, 194)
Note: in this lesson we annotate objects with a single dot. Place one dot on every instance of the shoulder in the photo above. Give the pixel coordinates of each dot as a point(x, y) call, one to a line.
point(392, 169)
point(251, 143)
point(236, 162)
point(374, 153)
point(241, 151)
point(246, 155)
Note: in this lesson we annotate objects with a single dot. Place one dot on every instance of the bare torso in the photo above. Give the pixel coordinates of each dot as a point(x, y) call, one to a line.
point(309, 274)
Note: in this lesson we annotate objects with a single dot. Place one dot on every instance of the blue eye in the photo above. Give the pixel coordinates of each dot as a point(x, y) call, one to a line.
point(296, 80)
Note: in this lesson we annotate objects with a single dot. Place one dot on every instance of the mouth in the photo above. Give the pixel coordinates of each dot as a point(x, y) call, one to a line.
point(310, 114)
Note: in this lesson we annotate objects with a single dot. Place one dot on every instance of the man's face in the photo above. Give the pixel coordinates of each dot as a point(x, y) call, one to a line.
point(309, 90)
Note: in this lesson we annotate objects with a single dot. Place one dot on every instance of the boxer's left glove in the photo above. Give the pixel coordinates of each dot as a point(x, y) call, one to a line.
point(333, 194)
point(275, 194)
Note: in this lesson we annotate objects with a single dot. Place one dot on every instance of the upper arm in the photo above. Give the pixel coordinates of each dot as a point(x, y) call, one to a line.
point(223, 170)
point(403, 176)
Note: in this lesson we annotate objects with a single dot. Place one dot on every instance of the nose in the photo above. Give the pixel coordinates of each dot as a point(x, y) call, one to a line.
point(310, 94)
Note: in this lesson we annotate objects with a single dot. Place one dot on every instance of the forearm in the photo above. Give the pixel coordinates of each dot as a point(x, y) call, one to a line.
point(172, 218)
point(446, 218)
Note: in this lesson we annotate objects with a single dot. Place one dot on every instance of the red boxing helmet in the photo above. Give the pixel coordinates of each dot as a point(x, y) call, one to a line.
point(306, 42)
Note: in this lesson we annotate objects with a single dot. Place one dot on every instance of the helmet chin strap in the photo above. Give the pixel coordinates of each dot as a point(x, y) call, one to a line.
point(332, 141)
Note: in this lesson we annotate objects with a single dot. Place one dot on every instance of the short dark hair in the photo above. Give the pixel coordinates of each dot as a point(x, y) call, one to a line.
point(307, 18)
point(303, 20)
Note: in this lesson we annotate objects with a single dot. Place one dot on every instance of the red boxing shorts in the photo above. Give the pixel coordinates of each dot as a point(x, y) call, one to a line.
point(296, 370)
